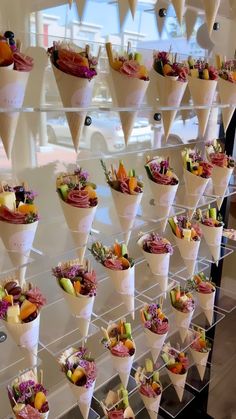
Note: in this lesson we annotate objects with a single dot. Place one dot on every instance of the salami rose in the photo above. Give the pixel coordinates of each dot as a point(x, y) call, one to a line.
point(120, 350)
point(114, 264)
point(11, 217)
point(22, 62)
point(205, 288)
point(219, 159)
point(130, 68)
point(78, 198)
point(116, 414)
point(147, 390)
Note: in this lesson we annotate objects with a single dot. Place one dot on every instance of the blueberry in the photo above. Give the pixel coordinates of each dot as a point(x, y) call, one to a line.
point(9, 34)
point(162, 12)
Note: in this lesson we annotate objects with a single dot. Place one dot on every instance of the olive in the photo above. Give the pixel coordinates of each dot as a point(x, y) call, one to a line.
point(9, 34)
point(162, 12)
point(10, 285)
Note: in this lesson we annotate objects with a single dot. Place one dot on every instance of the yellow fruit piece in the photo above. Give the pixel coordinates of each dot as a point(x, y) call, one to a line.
point(129, 344)
point(91, 192)
point(85, 62)
point(194, 73)
point(234, 75)
point(39, 400)
point(205, 74)
point(6, 55)
point(28, 208)
point(143, 72)
point(125, 262)
point(27, 309)
point(77, 287)
point(200, 170)
point(132, 184)
point(77, 375)
point(167, 69)
point(116, 65)
point(8, 298)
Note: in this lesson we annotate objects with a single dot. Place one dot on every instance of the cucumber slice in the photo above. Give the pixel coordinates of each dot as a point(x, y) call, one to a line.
point(149, 172)
point(64, 189)
point(128, 328)
point(172, 224)
point(172, 297)
point(67, 286)
point(124, 250)
point(165, 358)
point(213, 213)
point(148, 365)
point(156, 377)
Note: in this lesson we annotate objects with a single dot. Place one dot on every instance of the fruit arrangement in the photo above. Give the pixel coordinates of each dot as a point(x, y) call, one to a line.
point(200, 69)
point(28, 397)
point(183, 228)
point(20, 304)
point(118, 339)
point(76, 279)
point(166, 64)
point(154, 319)
point(116, 405)
point(114, 257)
point(209, 217)
point(159, 171)
point(130, 64)
point(121, 180)
point(17, 204)
point(177, 362)
point(194, 163)
point(182, 300)
point(148, 380)
point(217, 156)
point(201, 284)
point(76, 190)
point(201, 344)
point(72, 60)
point(80, 368)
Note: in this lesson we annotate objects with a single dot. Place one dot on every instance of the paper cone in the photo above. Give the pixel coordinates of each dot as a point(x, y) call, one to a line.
point(211, 8)
point(83, 397)
point(133, 6)
point(81, 307)
point(126, 205)
point(178, 381)
point(152, 405)
point(179, 6)
point(202, 92)
point(78, 219)
point(154, 343)
point(190, 20)
point(182, 321)
point(74, 92)
point(200, 359)
point(189, 252)
point(164, 196)
point(12, 91)
point(123, 8)
point(213, 237)
point(158, 263)
point(195, 187)
point(206, 302)
point(129, 92)
point(25, 335)
point(161, 4)
point(123, 365)
point(123, 282)
point(170, 94)
point(220, 179)
point(80, 7)
point(227, 92)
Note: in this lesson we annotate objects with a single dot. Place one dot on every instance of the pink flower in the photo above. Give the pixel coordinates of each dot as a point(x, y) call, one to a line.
point(36, 297)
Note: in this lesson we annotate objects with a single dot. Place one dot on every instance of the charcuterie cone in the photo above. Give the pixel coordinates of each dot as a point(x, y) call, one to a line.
point(206, 302)
point(79, 220)
point(195, 187)
point(154, 343)
point(179, 6)
point(213, 237)
point(182, 321)
point(178, 381)
point(220, 179)
point(170, 94)
point(126, 205)
point(152, 405)
point(12, 86)
point(123, 281)
point(202, 93)
point(158, 263)
point(80, 7)
point(211, 8)
point(123, 365)
point(80, 306)
point(128, 92)
point(74, 92)
point(200, 359)
point(83, 397)
point(189, 252)
point(133, 6)
point(227, 93)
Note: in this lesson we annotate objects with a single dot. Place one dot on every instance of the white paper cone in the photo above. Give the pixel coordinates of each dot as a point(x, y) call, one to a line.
point(160, 4)
point(123, 282)
point(164, 195)
point(154, 343)
point(133, 6)
point(190, 20)
point(129, 92)
point(83, 397)
point(195, 185)
point(74, 92)
point(211, 9)
point(206, 302)
point(123, 365)
point(78, 219)
point(227, 93)
point(178, 381)
point(200, 359)
point(179, 6)
point(158, 263)
point(126, 226)
point(220, 179)
point(12, 91)
point(182, 321)
point(126, 205)
point(170, 94)
point(202, 92)
point(152, 405)
point(189, 252)
point(213, 237)
point(80, 7)
point(123, 7)
point(25, 334)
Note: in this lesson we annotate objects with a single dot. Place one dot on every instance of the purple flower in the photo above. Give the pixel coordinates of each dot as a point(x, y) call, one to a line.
point(152, 309)
point(148, 324)
point(3, 308)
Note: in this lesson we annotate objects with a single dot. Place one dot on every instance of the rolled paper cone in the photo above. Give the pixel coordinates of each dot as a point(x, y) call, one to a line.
point(178, 381)
point(179, 6)
point(123, 7)
point(128, 413)
point(78, 219)
point(164, 195)
point(128, 300)
point(12, 91)
point(152, 405)
point(227, 93)
point(190, 20)
point(25, 335)
point(206, 302)
point(211, 8)
point(128, 92)
point(123, 365)
point(123, 282)
point(160, 20)
point(170, 94)
point(80, 7)
point(126, 208)
point(194, 184)
point(202, 92)
point(200, 359)
point(220, 179)
point(152, 92)
point(154, 343)
point(189, 252)
point(83, 397)
point(74, 92)
point(133, 6)
point(182, 321)
point(158, 263)
point(213, 237)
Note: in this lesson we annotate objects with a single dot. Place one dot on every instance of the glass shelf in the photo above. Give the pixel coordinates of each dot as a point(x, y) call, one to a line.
point(181, 200)
point(201, 321)
point(170, 403)
point(230, 191)
point(153, 292)
point(11, 261)
point(225, 300)
point(193, 378)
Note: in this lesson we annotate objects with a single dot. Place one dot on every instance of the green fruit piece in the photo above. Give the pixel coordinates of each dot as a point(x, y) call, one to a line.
point(148, 365)
point(156, 377)
point(22, 298)
point(69, 374)
point(67, 286)
point(165, 358)
point(172, 297)
point(92, 185)
point(149, 172)
point(128, 328)
point(213, 213)
point(148, 316)
point(172, 224)
point(124, 250)
point(64, 189)
point(138, 57)
point(125, 398)
point(2, 293)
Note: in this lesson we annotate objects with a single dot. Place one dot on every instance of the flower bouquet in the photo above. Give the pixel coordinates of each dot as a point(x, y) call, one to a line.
point(81, 372)
point(74, 69)
point(177, 364)
point(120, 268)
point(156, 326)
point(116, 405)
point(118, 339)
point(205, 293)
point(200, 350)
point(183, 305)
point(79, 286)
point(227, 89)
point(212, 229)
